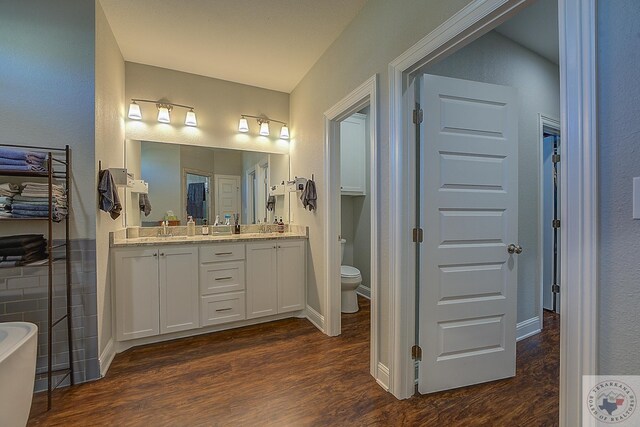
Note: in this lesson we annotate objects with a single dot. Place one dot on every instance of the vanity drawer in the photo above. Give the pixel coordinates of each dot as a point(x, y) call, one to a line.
point(225, 252)
point(221, 277)
point(222, 308)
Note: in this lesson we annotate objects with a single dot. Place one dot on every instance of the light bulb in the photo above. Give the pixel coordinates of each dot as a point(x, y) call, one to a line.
point(243, 126)
point(191, 118)
point(134, 111)
point(284, 132)
point(264, 128)
point(163, 115)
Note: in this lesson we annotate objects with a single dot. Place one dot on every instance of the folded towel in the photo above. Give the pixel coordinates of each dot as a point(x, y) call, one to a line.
point(309, 196)
point(145, 204)
point(10, 188)
point(18, 154)
point(23, 168)
point(32, 206)
point(5, 161)
point(108, 194)
point(57, 214)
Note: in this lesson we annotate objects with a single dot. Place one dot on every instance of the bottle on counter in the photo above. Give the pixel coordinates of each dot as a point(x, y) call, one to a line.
point(236, 226)
point(205, 227)
point(191, 227)
point(280, 226)
point(217, 221)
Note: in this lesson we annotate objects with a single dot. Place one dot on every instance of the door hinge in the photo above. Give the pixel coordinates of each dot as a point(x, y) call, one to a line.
point(555, 158)
point(418, 116)
point(418, 235)
point(416, 352)
point(555, 223)
point(555, 288)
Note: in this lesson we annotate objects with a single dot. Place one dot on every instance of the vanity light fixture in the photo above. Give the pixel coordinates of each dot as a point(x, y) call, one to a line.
point(263, 121)
point(164, 111)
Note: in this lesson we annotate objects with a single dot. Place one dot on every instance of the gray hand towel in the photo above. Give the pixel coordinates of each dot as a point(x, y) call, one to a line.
point(145, 204)
point(108, 193)
point(309, 196)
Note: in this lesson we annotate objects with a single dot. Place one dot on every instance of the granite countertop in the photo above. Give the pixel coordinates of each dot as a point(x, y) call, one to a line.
point(200, 239)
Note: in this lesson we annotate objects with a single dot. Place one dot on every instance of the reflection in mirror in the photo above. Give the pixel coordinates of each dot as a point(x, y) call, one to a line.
point(205, 183)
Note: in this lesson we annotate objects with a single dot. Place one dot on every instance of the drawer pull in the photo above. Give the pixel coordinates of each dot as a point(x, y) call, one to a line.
point(224, 253)
point(224, 309)
point(224, 278)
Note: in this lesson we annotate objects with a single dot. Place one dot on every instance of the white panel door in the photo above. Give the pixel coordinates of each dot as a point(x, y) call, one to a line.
point(291, 275)
point(262, 280)
point(468, 280)
point(136, 283)
point(227, 195)
point(179, 289)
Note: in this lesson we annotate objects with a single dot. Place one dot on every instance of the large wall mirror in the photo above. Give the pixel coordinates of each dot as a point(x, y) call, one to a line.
point(204, 182)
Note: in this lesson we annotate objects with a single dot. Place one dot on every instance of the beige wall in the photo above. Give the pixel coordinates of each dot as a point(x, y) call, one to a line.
point(218, 105)
point(109, 148)
point(382, 31)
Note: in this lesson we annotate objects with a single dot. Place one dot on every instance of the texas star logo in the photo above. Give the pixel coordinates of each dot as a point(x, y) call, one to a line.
point(611, 401)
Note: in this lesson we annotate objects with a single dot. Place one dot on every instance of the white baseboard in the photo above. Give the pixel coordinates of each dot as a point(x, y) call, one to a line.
point(106, 357)
point(316, 318)
point(364, 291)
point(528, 328)
point(382, 377)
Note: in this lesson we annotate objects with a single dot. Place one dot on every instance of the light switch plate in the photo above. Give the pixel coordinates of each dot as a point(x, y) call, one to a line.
point(636, 198)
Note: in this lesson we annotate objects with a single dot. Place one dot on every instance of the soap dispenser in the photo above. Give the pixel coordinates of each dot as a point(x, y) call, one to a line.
point(191, 227)
point(205, 227)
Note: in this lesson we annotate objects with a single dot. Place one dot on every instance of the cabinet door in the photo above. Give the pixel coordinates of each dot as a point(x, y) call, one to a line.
point(137, 295)
point(261, 280)
point(291, 275)
point(179, 291)
point(353, 155)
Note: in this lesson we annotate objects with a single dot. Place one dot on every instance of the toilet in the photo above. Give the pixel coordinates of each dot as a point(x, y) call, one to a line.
point(350, 279)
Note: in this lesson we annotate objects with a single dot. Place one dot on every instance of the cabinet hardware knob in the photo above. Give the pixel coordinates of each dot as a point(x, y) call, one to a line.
point(155, 254)
point(162, 254)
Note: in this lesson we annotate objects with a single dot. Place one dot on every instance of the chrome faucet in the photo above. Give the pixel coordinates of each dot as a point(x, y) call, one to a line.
point(164, 232)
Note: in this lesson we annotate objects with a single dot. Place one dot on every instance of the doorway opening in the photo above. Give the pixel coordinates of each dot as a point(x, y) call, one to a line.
point(198, 196)
point(351, 183)
point(478, 249)
point(550, 217)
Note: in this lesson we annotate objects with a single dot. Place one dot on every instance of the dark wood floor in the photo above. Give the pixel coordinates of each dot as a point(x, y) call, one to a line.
point(287, 373)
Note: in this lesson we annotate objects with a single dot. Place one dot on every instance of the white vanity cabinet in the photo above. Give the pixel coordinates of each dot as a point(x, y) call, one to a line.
point(156, 290)
point(276, 276)
point(353, 156)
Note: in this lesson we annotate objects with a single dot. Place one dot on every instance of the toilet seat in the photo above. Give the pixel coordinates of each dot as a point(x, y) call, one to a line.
point(349, 271)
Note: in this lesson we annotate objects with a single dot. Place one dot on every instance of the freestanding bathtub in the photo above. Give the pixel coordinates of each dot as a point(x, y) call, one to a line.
point(18, 348)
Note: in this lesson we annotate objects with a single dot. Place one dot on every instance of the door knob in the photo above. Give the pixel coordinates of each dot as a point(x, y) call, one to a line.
point(514, 249)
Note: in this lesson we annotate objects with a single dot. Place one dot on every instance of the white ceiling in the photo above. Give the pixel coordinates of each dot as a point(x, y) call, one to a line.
point(265, 43)
point(536, 28)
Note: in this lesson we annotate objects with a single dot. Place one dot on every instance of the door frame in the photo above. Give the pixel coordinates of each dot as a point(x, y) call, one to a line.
point(578, 325)
point(183, 192)
point(544, 121)
point(363, 95)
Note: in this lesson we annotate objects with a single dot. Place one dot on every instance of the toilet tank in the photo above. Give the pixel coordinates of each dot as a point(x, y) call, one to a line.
point(342, 243)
